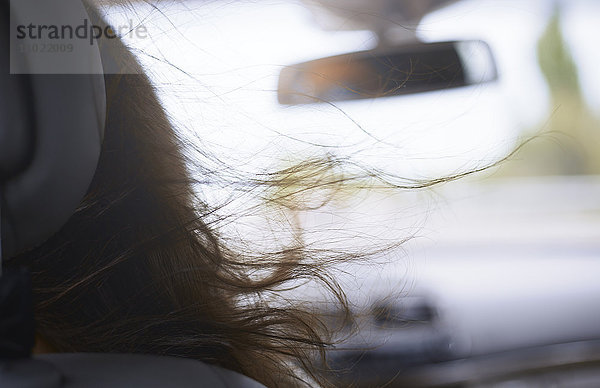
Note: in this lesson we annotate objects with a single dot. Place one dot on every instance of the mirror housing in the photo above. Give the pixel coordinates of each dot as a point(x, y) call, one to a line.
point(406, 69)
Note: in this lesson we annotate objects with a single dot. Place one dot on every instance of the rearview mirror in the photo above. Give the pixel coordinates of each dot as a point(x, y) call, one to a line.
point(414, 68)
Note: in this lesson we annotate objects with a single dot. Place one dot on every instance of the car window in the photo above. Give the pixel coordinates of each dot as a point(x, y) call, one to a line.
point(507, 257)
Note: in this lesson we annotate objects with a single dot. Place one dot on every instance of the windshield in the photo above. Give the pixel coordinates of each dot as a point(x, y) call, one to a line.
point(509, 257)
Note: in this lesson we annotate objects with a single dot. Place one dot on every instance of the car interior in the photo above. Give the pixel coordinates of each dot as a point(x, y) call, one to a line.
point(52, 123)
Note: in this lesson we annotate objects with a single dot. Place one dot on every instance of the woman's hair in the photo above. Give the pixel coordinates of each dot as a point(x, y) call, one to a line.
point(138, 269)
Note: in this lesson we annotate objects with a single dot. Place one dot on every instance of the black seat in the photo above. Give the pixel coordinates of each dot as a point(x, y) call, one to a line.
point(100, 370)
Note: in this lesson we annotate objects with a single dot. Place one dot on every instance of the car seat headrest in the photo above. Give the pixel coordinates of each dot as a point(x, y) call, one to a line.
point(51, 128)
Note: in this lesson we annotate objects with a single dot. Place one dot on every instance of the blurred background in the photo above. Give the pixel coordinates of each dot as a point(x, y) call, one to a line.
point(498, 284)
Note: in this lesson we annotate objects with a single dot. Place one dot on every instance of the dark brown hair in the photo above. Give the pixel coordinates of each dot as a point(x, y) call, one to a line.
point(137, 270)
